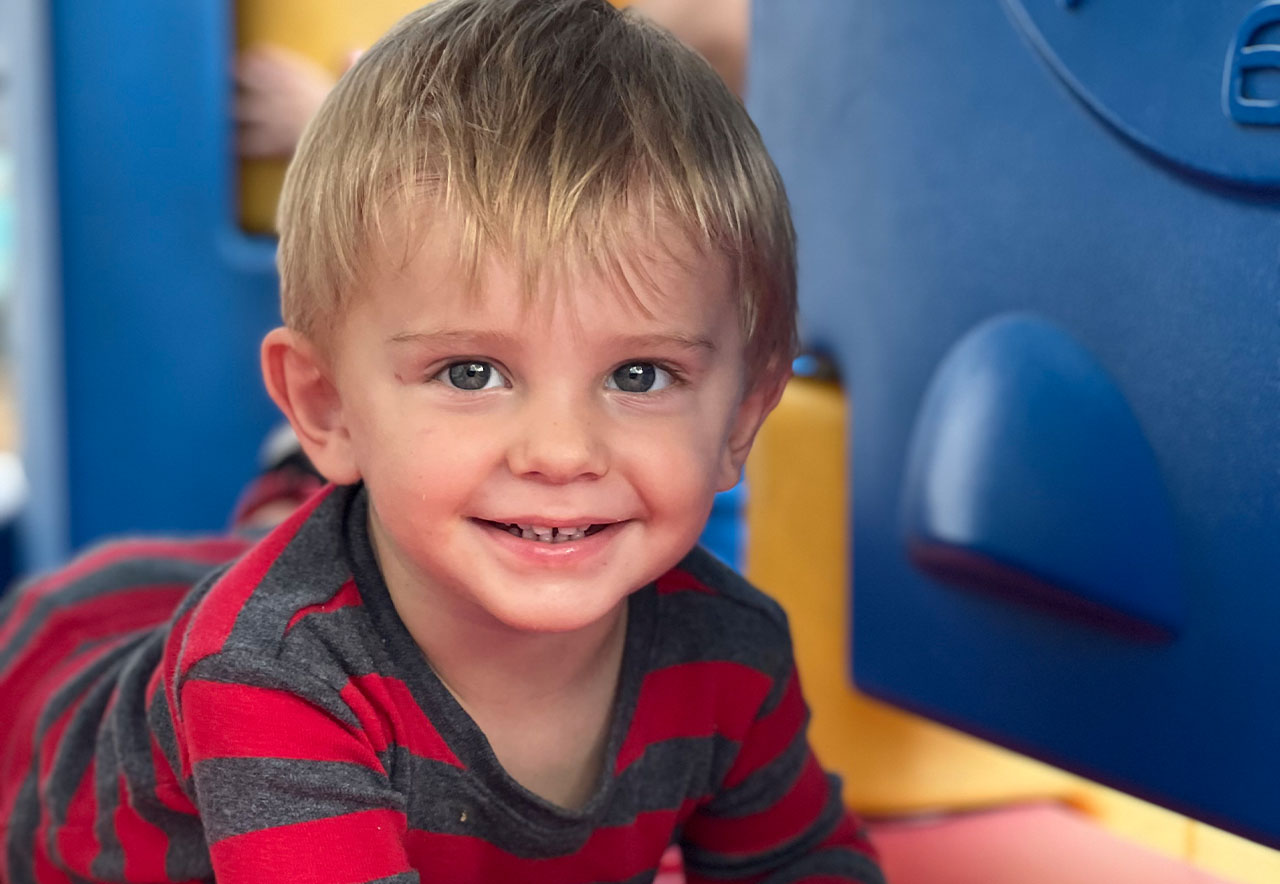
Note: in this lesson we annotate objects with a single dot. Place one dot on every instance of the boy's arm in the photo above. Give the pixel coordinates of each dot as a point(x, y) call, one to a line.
point(778, 816)
point(286, 778)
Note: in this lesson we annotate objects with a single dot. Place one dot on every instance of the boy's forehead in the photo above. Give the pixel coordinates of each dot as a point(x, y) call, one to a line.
point(652, 269)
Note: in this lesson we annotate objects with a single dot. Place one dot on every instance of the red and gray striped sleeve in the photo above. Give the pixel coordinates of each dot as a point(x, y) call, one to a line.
point(775, 814)
point(288, 780)
point(282, 765)
point(778, 814)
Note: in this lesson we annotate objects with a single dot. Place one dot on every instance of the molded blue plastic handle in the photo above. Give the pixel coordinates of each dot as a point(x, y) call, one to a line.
point(1029, 476)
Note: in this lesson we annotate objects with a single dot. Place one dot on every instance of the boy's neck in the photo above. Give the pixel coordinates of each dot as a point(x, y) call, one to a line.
point(543, 701)
point(487, 665)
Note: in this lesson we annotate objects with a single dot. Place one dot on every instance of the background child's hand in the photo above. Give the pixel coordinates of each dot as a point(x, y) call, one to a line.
point(277, 92)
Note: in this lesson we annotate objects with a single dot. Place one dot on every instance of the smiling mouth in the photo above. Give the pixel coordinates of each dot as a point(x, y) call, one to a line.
point(546, 534)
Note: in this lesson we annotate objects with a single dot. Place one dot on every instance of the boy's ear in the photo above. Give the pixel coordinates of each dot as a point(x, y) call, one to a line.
point(298, 381)
point(760, 399)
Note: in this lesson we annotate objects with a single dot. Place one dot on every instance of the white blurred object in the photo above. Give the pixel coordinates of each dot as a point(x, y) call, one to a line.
point(13, 486)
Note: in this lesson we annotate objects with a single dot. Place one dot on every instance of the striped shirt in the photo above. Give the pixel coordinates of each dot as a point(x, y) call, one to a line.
point(185, 710)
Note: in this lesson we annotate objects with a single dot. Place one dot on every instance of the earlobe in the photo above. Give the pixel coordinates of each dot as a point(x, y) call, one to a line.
point(298, 381)
point(759, 401)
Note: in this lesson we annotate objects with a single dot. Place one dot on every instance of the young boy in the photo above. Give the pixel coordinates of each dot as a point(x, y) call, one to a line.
point(538, 284)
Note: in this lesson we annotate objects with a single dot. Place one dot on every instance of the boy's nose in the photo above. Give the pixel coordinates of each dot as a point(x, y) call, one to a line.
point(559, 443)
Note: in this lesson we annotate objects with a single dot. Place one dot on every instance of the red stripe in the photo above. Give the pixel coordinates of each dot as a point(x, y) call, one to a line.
point(212, 551)
point(789, 817)
point(69, 627)
point(216, 614)
point(25, 700)
point(49, 740)
point(610, 854)
point(694, 700)
point(389, 715)
point(676, 580)
point(356, 847)
point(76, 840)
point(145, 845)
point(770, 735)
point(46, 872)
point(239, 721)
point(347, 596)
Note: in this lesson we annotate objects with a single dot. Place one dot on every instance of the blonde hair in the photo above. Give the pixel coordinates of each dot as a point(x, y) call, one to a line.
point(540, 128)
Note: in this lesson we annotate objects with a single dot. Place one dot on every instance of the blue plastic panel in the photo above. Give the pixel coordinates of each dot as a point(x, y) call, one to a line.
point(1083, 162)
point(164, 300)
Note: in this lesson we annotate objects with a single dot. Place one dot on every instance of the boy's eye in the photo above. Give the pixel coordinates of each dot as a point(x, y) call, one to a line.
point(472, 375)
point(639, 377)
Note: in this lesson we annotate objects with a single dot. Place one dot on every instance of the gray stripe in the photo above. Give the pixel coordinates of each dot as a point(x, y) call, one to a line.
point(160, 724)
point(122, 576)
point(336, 646)
point(21, 837)
point(731, 585)
point(779, 690)
point(308, 571)
point(159, 720)
point(834, 862)
point(92, 688)
point(108, 865)
point(710, 630)
point(239, 795)
point(718, 865)
point(75, 750)
point(124, 748)
point(667, 774)
point(451, 801)
point(239, 667)
point(188, 857)
point(764, 787)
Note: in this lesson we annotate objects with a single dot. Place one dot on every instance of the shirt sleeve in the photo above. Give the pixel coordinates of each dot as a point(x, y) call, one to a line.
point(778, 816)
point(288, 783)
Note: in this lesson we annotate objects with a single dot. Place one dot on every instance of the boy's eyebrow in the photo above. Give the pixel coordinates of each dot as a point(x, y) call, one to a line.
point(666, 339)
point(479, 336)
point(494, 338)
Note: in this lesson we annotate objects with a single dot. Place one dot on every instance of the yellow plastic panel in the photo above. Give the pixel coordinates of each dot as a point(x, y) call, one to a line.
point(326, 31)
point(1233, 858)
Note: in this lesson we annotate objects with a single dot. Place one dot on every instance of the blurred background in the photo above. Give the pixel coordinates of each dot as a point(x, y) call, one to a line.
point(1022, 500)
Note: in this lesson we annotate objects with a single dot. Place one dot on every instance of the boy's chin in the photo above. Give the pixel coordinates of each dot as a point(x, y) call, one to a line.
point(557, 614)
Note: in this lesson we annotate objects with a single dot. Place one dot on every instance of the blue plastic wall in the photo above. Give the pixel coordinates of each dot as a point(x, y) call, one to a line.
point(1042, 241)
point(164, 300)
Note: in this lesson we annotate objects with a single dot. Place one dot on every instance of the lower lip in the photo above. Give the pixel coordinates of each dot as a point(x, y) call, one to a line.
point(562, 554)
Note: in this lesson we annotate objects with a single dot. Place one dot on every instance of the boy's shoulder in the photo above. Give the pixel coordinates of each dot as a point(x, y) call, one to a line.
point(255, 605)
point(709, 612)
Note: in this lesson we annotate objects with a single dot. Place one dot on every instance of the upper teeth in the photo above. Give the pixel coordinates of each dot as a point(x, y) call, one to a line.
point(547, 534)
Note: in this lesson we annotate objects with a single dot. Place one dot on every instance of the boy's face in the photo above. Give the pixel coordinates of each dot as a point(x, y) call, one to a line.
point(479, 420)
